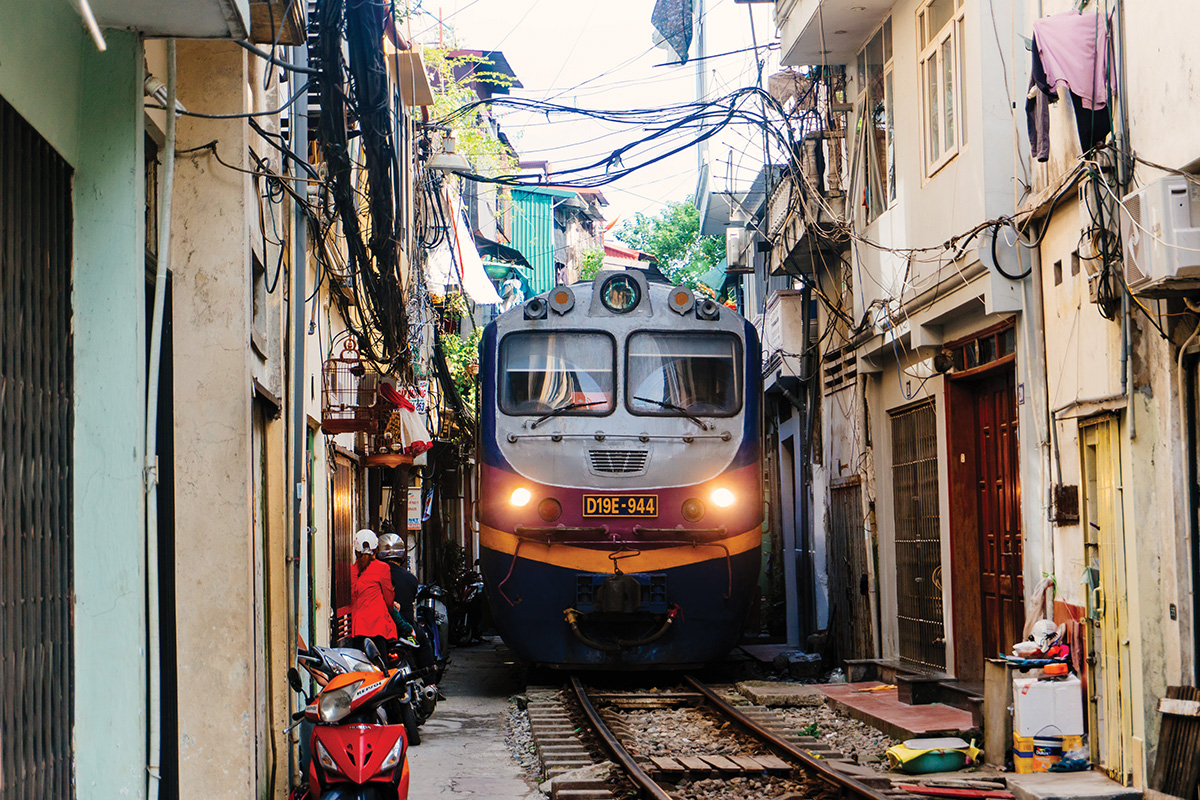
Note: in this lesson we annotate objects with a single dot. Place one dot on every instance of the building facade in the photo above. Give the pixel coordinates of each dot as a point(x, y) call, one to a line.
point(1004, 406)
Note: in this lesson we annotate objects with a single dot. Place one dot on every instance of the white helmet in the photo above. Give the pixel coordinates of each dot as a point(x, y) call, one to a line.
point(365, 541)
point(1045, 633)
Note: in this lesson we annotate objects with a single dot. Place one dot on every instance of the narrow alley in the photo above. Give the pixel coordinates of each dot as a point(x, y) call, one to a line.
point(673, 399)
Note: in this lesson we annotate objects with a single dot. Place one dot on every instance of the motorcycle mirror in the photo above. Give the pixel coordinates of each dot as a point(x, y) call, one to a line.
point(294, 680)
point(374, 655)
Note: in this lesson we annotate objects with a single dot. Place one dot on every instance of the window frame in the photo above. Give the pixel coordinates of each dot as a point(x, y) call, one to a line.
point(579, 412)
point(738, 360)
point(887, 82)
point(930, 51)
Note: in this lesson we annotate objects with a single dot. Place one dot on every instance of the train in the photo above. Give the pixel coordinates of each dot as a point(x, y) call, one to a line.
point(620, 494)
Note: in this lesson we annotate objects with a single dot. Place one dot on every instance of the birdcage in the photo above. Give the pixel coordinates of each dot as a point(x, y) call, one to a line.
point(349, 393)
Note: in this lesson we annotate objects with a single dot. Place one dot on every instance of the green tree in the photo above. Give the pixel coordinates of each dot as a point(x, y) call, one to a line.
point(591, 263)
point(673, 238)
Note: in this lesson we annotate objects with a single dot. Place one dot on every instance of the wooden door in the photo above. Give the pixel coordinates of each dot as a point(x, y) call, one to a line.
point(1110, 688)
point(1001, 585)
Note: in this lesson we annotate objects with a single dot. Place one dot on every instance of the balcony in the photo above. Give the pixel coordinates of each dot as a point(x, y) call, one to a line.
point(826, 31)
point(807, 231)
point(183, 19)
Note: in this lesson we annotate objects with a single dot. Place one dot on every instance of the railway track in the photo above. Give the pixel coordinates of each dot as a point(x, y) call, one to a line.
point(754, 753)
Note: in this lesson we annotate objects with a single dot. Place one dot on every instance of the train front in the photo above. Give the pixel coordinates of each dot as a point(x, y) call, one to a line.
point(620, 480)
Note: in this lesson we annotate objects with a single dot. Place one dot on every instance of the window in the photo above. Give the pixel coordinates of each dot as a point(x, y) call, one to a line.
point(940, 35)
point(674, 373)
point(875, 97)
point(544, 372)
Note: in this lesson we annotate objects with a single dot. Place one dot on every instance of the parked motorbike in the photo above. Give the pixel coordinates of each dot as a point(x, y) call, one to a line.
point(466, 613)
point(433, 617)
point(350, 728)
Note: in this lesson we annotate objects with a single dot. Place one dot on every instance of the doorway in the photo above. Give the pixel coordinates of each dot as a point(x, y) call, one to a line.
point(918, 537)
point(985, 515)
point(1110, 716)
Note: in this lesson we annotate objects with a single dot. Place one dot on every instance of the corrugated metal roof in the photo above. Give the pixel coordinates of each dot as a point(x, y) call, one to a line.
point(532, 233)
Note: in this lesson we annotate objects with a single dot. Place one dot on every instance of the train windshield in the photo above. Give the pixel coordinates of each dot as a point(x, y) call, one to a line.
point(571, 372)
point(674, 373)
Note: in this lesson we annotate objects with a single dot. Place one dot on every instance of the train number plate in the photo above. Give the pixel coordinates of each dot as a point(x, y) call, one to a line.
point(620, 505)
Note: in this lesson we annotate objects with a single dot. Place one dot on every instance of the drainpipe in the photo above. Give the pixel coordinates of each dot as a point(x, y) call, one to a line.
point(154, 713)
point(1038, 371)
point(299, 428)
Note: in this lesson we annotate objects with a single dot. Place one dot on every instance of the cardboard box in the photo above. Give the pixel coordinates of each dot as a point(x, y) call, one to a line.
point(1047, 707)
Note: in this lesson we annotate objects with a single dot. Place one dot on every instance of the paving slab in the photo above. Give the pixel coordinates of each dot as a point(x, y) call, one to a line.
point(1091, 785)
point(463, 753)
point(884, 711)
point(774, 693)
point(765, 653)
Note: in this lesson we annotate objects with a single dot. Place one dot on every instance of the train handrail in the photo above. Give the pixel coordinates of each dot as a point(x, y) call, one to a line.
point(601, 436)
point(701, 534)
point(538, 532)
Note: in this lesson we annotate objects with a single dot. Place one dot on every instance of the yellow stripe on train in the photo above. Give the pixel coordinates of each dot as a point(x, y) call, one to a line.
point(591, 560)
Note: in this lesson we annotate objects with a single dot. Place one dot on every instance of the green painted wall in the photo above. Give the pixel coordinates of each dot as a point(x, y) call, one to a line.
point(88, 105)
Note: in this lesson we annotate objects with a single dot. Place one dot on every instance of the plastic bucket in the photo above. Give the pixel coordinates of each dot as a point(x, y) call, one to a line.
point(1047, 750)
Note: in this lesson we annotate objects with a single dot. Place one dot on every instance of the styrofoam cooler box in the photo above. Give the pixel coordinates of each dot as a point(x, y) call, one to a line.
point(1041, 706)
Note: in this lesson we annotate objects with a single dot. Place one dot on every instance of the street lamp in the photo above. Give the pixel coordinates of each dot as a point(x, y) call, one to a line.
point(448, 160)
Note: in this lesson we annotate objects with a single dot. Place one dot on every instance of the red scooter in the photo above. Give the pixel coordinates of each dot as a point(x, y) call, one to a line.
point(353, 753)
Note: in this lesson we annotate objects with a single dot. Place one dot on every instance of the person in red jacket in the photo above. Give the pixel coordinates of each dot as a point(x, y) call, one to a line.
point(371, 592)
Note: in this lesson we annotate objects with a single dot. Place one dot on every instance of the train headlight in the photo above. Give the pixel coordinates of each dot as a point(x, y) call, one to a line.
point(521, 497)
point(549, 509)
point(723, 498)
point(620, 294)
point(693, 509)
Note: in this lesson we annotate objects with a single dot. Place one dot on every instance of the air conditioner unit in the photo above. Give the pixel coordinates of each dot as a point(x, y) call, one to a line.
point(737, 243)
point(1160, 237)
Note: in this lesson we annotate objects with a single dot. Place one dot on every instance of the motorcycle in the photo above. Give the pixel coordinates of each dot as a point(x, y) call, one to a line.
point(350, 728)
point(466, 613)
point(411, 709)
point(434, 619)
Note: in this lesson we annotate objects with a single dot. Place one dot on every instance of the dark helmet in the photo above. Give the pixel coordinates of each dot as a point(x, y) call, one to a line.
point(391, 547)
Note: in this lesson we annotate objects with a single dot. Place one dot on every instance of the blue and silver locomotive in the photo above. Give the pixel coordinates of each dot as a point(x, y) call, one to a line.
point(620, 475)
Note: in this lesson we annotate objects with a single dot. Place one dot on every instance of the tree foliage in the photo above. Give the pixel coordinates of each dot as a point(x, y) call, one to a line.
point(475, 136)
point(591, 263)
point(673, 238)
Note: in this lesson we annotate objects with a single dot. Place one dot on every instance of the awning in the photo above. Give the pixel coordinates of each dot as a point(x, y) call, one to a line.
point(714, 278)
point(500, 252)
point(456, 261)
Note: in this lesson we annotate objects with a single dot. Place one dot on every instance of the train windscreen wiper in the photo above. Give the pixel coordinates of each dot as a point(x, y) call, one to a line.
point(564, 409)
point(673, 407)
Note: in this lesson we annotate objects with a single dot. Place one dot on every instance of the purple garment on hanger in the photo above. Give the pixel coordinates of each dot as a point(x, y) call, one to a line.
point(1074, 51)
point(1037, 110)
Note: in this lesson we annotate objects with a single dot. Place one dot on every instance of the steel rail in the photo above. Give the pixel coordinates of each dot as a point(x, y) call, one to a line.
point(783, 747)
point(636, 773)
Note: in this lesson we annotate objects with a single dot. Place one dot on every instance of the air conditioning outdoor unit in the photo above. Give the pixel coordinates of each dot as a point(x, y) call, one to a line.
point(737, 245)
point(1160, 237)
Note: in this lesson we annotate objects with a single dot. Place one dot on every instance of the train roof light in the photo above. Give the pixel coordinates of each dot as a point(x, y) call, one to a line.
point(535, 309)
point(620, 294)
point(681, 300)
point(561, 299)
point(708, 310)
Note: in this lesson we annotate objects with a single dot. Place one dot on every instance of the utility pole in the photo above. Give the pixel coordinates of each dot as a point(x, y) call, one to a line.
point(701, 79)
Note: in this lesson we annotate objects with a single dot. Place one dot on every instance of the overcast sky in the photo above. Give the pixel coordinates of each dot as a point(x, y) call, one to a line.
point(599, 54)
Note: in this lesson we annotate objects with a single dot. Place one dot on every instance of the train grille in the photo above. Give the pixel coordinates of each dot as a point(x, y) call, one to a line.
point(618, 462)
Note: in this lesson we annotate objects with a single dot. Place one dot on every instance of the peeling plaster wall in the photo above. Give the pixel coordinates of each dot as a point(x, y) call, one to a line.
point(1162, 73)
point(215, 559)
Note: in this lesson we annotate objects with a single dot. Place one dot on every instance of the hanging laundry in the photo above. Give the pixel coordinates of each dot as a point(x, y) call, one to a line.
point(1070, 50)
point(1074, 51)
